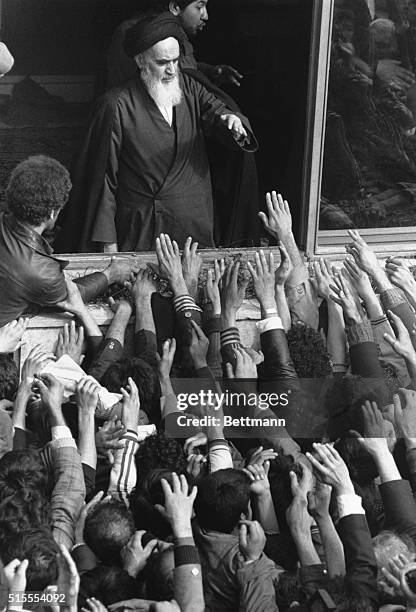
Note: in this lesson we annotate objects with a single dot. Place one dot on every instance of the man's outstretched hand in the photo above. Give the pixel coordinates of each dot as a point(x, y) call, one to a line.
point(235, 125)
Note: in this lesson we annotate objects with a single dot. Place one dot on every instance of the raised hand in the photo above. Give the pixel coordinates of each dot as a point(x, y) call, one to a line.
point(198, 347)
point(51, 392)
point(134, 555)
point(252, 540)
point(342, 294)
point(401, 343)
point(178, 505)
point(319, 499)
point(232, 292)
point(107, 438)
point(212, 287)
point(35, 362)
point(68, 579)
point(170, 263)
point(11, 335)
point(323, 278)
point(87, 394)
point(71, 342)
point(331, 469)
point(131, 405)
point(405, 416)
point(261, 455)
point(191, 265)
point(245, 366)
point(166, 360)
point(364, 257)
point(278, 221)
point(358, 278)
point(263, 276)
point(258, 475)
point(285, 267)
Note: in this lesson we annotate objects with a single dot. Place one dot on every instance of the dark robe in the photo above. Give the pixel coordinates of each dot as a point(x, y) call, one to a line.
point(233, 174)
point(137, 176)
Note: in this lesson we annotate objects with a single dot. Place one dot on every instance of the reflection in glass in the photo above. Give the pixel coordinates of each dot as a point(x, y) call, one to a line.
point(369, 176)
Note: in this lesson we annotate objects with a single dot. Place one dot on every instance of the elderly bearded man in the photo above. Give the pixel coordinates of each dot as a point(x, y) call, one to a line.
point(147, 152)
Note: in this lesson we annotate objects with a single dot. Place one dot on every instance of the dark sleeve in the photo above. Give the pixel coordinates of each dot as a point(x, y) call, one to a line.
point(399, 507)
point(51, 289)
point(360, 561)
point(93, 345)
point(145, 346)
point(277, 360)
point(92, 285)
point(84, 558)
point(363, 351)
point(19, 439)
point(393, 300)
point(211, 110)
point(109, 352)
point(89, 478)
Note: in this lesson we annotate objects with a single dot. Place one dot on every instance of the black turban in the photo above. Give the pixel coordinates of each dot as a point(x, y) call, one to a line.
point(150, 30)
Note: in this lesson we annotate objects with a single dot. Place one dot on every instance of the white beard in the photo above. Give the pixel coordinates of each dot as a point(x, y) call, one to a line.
point(164, 94)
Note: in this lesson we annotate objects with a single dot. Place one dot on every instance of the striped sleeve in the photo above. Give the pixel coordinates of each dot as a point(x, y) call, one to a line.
point(123, 474)
point(185, 302)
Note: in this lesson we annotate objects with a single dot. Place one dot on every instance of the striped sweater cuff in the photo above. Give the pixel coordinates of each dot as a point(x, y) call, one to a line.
point(185, 302)
point(230, 336)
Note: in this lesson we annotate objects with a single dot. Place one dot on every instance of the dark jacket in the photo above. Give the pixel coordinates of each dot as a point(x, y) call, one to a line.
point(30, 276)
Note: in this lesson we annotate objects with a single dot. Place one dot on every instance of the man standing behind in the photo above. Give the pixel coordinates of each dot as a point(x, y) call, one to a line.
point(144, 168)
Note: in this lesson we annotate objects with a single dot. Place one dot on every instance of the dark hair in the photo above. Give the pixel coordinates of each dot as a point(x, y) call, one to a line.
point(157, 585)
point(37, 187)
point(24, 492)
point(9, 377)
point(222, 497)
point(361, 465)
point(39, 547)
point(308, 351)
point(160, 451)
point(108, 584)
point(146, 379)
point(280, 486)
point(160, 6)
point(107, 530)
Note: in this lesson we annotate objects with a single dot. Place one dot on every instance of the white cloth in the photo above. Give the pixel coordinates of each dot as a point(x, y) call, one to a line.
point(70, 373)
point(267, 324)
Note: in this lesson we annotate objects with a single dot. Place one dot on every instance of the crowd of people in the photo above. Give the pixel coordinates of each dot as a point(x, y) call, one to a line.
point(127, 481)
point(104, 505)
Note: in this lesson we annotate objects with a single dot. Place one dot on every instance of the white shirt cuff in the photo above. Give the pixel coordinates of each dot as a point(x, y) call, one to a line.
point(267, 324)
point(60, 431)
point(349, 504)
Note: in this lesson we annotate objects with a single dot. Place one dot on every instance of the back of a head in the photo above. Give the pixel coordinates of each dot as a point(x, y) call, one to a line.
point(24, 492)
point(160, 452)
point(143, 500)
point(38, 546)
point(108, 584)
point(221, 500)
point(108, 528)
point(9, 377)
point(145, 377)
point(308, 351)
point(37, 187)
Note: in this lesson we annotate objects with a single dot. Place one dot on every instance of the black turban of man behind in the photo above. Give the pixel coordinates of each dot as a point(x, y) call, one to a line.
point(149, 30)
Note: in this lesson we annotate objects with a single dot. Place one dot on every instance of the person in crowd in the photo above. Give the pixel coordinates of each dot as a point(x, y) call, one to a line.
point(120, 507)
point(30, 275)
point(147, 146)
